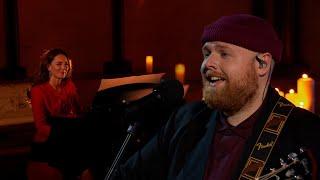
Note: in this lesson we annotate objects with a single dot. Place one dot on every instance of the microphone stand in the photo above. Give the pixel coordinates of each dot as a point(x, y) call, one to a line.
point(130, 132)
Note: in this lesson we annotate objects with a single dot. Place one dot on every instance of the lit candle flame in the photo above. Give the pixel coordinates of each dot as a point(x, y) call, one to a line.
point(305, 76)
point(292, 97)
point(180, 70)
point(149, 64)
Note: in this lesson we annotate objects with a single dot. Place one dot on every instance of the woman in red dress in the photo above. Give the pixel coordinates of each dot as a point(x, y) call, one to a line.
point(53, 95)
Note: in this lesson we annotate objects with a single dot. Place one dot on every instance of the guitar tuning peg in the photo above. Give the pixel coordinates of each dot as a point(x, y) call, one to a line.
point(272, 169)
point(293, 156)
point(282, 162)
point(302, 149)
point(298, 177)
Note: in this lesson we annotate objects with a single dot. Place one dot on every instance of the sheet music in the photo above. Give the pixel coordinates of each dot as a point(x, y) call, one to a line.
point(149, 78)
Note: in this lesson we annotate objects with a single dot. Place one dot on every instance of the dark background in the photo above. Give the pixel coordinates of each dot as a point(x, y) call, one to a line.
point(104, 38)
point(100, 31)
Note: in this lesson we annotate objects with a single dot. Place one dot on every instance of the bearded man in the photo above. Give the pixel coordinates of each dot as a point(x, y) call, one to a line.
point(242, 127)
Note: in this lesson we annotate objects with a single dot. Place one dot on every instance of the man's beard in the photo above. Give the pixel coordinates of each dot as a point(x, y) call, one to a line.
point(234, 95)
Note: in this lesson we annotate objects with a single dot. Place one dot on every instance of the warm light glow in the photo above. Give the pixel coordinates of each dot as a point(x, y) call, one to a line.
point(306, 92)
point(149, 64)
point(281, 93)
point(180, 70)
point(292, 97)
point(301, 104)
point(305, 76)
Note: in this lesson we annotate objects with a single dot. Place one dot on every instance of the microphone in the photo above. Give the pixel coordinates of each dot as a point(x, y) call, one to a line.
point(164, 97)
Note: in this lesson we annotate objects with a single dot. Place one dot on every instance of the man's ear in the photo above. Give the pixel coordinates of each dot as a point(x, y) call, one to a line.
point(263, 64)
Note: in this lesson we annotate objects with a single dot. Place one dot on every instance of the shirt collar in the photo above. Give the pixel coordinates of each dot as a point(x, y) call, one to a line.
point(244, 129)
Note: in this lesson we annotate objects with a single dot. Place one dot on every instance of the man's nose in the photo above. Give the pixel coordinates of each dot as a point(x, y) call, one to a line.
point(212, 61)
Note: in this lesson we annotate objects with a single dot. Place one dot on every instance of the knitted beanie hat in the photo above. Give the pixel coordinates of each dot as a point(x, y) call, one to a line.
point(247, 31)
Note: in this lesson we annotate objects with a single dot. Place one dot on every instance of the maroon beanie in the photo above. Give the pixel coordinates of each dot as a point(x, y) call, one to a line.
point(247, 31)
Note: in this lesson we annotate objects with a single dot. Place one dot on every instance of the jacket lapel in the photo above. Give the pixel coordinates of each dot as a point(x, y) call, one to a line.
point(196, 158)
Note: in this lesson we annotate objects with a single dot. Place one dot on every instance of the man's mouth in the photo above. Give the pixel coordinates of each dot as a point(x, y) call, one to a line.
point(213, 80)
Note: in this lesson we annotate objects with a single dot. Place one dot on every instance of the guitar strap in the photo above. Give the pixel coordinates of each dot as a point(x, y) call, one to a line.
point(266, 140)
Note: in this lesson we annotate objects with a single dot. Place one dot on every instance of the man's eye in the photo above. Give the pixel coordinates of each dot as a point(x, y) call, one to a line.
point(206, 54)
point(224, 54)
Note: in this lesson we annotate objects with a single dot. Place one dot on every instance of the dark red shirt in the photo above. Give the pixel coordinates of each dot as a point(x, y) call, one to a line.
point(227, 147)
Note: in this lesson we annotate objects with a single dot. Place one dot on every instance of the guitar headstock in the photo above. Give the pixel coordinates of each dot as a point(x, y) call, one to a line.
point(296, 166)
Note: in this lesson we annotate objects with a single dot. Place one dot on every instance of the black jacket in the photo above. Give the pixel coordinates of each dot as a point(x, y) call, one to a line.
point(180, 150)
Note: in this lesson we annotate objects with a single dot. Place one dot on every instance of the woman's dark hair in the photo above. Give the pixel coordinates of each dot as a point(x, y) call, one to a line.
point(45, 60)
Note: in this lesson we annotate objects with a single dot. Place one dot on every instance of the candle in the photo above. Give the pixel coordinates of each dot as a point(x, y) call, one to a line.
point(180, 72)
point(301, 104)
point(292, 97)
point(281, 93)
point(149, 64)
point(306, 92)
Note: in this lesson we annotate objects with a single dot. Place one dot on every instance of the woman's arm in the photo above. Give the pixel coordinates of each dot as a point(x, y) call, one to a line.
point(39, 115)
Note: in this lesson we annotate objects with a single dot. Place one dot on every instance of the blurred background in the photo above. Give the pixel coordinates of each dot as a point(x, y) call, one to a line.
point(111, 38)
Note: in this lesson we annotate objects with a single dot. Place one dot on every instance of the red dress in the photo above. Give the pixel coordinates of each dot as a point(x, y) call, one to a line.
point(47, 102)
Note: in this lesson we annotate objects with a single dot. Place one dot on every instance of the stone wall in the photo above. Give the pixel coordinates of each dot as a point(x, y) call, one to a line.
point(14, 104)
